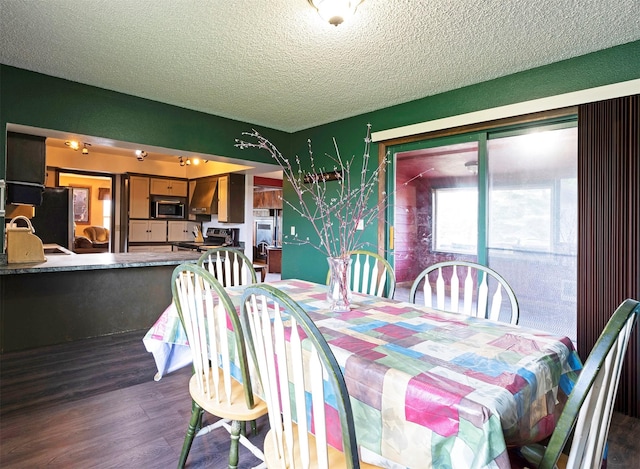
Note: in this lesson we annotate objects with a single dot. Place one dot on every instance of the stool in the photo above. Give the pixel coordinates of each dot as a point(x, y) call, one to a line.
point(262, 268)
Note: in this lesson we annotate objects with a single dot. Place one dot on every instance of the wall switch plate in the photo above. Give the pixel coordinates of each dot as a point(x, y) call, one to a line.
point(293, 231)
point(360, 225)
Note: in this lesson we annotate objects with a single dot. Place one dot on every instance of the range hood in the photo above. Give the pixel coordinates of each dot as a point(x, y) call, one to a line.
point(204, 201)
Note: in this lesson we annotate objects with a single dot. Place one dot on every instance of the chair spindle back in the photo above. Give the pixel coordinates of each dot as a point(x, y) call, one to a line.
point(203, 307)
point(296, 367)
point(230, 266)
point(485, 301)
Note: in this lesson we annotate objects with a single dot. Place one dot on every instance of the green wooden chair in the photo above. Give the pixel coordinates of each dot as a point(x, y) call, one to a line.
point(371, 274)
point(205, 309)
point(587, 414)
point(482, 287)
point(295, 376)
point(229, 266)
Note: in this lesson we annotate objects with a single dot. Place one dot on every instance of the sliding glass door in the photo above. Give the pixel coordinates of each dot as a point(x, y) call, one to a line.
point(532, 222)
point(506, 199)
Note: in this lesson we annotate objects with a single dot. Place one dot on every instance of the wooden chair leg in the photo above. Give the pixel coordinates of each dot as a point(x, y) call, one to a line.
point(236, 426)
point(194, 422)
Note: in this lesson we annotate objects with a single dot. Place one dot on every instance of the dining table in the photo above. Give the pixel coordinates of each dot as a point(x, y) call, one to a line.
point(428, 388)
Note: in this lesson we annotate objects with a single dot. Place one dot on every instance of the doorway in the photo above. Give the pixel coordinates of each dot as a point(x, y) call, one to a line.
point(92, 210)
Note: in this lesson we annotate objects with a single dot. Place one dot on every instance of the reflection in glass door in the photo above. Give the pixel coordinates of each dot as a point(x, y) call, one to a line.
point(436, 215)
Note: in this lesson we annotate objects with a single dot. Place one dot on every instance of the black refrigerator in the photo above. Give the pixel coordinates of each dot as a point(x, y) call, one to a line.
point(53, 219)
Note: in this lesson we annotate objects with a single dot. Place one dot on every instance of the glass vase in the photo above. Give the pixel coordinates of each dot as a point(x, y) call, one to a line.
point(339, 290)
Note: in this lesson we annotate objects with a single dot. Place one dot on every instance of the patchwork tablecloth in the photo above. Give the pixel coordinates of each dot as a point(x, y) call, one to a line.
point(428, 388)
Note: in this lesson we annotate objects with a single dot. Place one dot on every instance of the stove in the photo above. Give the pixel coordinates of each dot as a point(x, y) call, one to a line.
point(222, 237)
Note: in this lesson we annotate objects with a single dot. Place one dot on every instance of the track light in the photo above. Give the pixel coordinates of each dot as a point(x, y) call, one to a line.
point(182, 163)
point(197, 161)
point(141, 155)
point(73, 144)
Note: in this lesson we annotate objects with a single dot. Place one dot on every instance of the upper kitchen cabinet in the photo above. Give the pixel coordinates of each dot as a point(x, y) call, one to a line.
point(267, 197)
point(221, 195)
point(138, 197)
point(231, 198)
point(175, 187)
point(25, 171)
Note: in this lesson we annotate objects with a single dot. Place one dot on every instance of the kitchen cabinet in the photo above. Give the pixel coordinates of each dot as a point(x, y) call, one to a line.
point(231, 198)
point(181, 230)
point(25, 169)
point(274, 260)
point(138, 197)
point(175, 187)
point(147, 230)
point(267, 198)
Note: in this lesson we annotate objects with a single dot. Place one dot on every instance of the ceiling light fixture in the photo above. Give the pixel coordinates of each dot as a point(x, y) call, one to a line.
point(181, 161)
point(141, 155)
point(85, 150)
point(335, 11)
point(472, 167)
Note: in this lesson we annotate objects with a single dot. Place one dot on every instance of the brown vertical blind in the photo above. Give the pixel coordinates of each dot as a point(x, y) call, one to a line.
point(609, 228)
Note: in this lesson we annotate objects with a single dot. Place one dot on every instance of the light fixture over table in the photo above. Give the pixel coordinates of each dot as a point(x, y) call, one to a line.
point(335, 11)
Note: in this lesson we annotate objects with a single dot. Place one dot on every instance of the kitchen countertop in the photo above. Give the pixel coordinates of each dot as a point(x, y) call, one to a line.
point(66, 263)
point(197, 245)
point(192, 245)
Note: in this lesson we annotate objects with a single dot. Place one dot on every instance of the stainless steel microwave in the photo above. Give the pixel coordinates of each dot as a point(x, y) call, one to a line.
point(168, 207)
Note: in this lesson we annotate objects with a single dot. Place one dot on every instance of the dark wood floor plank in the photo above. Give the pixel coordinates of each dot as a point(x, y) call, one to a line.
point(94, 404)
point(71, 372)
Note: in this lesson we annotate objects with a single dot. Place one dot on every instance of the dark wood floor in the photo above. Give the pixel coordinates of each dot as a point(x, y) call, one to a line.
point(94, 404)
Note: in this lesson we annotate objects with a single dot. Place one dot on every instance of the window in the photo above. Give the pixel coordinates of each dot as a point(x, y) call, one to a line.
point(455, 215)
point(520, 219)
point(106, 213)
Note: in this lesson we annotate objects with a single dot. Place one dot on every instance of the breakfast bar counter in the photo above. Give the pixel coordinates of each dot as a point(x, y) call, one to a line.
point(100, 261)
point(72, 297)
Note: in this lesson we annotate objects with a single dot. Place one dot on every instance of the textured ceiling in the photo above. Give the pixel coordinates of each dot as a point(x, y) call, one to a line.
point(276, 63)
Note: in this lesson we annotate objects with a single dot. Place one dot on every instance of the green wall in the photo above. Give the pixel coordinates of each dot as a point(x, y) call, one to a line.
point(618, 64)
point(42, 101)
point(51, 103)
